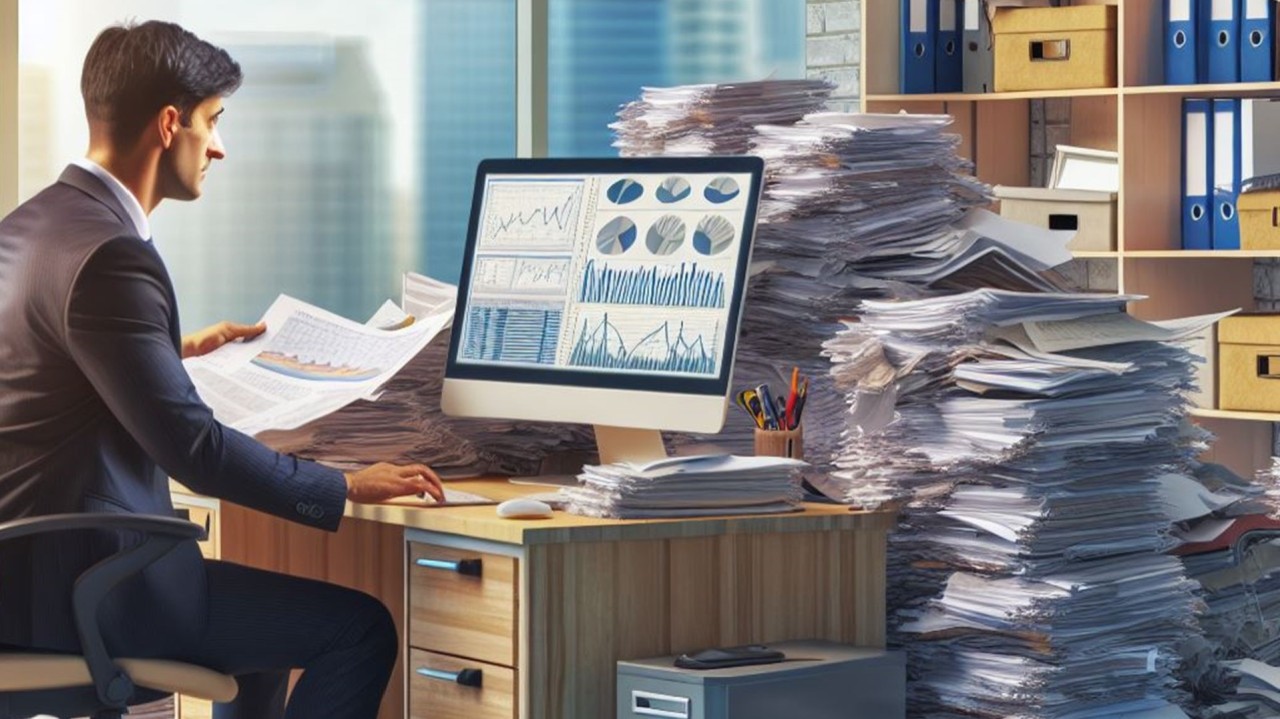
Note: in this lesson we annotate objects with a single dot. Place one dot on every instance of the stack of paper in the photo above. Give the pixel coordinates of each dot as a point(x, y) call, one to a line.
point(1037, 445)
point(1232, 548)
point(854, 206)
point(687, 486)
point(711, 119)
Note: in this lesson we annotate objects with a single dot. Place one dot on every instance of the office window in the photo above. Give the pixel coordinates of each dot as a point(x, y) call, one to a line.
point(602, 52)
point(318, 193)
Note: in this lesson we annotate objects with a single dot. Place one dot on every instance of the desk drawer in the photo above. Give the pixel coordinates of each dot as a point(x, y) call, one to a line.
point(463, 603)
point(434, 693)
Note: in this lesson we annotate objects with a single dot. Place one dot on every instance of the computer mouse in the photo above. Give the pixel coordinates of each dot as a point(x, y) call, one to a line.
point(522, 508)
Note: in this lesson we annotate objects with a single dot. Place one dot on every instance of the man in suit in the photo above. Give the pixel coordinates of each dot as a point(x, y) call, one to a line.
point(96, 409)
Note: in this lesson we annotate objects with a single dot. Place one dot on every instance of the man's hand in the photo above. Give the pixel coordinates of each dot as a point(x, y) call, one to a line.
point(384, 481)
point(211, 338)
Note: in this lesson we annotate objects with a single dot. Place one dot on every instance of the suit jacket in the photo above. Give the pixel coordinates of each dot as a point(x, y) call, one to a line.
point(96, 409)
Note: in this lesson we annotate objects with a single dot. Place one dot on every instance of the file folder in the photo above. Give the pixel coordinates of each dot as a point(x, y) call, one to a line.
point(1226, 173)
point(1259, 137)
point(978, 67)
point(1255, 41)
point(948, 72)
point(1180, 42)
point(1220, 57)
point(917, 46)
point(1197, 157)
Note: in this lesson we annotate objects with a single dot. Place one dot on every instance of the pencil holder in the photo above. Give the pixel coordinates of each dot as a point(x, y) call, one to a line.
point(780, 443)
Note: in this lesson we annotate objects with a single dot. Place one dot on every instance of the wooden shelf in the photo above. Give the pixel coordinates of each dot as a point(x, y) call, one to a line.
point(1235, 415)
point(1233, 88)
point(995, 96)
point(1095, 254)
point(1200, 254)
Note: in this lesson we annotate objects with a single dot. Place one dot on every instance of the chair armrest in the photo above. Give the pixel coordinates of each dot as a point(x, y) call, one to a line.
point(146, 523)
point(160, 536)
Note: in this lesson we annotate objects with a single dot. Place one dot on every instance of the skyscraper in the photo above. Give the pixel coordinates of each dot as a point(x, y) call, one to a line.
point(469, 113)
point(601, 52)
point(302, 204)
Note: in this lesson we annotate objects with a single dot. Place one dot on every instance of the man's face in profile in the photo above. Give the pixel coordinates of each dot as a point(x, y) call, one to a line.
point(194, 148)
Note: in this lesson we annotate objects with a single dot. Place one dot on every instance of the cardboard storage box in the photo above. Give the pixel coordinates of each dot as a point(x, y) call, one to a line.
point(1054, 48)
point(1249, 362)
point(1090, 213)
point(1259, 220)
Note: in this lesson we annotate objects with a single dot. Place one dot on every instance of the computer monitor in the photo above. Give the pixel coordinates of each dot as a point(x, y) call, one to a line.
point(604, 291)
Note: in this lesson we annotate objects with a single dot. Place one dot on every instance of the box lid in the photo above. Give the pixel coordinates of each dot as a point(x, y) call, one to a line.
point(1053, 20)
point(1261, 328)
point(1264, 200)
point(1051, 194)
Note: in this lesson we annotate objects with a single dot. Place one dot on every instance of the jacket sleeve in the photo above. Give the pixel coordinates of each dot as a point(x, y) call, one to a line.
point(117, 329)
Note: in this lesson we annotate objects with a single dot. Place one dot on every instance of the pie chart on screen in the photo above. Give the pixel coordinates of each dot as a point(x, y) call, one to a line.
point(617, 236)
point(666, 235)
point(714, 235)
point(721, 190)
point(673, 189)
point(624, 191)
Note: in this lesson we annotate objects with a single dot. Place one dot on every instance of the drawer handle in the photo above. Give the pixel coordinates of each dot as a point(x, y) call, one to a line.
point(465, 677)
point(659, 705)
point(469, 567)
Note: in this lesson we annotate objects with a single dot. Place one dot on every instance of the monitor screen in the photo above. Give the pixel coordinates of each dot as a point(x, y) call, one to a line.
point(622, 274)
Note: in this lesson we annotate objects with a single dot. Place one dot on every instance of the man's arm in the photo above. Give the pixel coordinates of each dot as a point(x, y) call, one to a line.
point(117, 329)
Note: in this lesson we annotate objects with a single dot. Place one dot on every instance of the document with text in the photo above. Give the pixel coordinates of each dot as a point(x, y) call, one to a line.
point(309, 363)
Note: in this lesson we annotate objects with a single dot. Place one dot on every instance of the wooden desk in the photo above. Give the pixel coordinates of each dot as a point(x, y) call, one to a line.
point(562, 599)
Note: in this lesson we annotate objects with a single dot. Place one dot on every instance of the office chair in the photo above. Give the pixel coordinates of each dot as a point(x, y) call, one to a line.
point(96, 684)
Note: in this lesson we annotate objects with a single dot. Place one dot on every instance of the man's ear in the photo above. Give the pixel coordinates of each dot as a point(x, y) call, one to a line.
point(168, 122)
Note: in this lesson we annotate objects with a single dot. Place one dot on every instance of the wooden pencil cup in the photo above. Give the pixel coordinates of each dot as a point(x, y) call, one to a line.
point(780, 443)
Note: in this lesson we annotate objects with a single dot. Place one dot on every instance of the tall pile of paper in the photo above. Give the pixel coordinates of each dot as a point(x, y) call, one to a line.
point(687, 486)
point(854, 206)
point(1232, 548)
point(1028, 438)
point(711, 119)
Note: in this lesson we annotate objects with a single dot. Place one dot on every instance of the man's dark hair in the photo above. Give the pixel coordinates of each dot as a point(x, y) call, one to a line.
point(132, 71)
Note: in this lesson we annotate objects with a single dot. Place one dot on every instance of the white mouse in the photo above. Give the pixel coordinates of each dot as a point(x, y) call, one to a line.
point(521, 508)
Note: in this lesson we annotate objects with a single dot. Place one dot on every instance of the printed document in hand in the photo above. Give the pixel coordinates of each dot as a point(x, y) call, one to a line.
point(307, 364)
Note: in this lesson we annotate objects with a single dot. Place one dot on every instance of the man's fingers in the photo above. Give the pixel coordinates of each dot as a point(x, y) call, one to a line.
point(234, 331)
point(432, 488)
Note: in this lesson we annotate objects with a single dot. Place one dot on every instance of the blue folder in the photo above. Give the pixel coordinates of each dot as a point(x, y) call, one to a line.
point(948, 47)
point(1180, 42)
point(1197, 166)
point(917, 46)
point(1226, 173)
point(1219, 53)
point(1255, 40)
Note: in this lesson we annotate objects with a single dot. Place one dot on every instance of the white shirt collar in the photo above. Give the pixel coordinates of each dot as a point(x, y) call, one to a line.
point(123, 195)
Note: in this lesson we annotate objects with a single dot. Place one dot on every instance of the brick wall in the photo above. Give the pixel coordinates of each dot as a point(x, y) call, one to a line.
point(833, 48)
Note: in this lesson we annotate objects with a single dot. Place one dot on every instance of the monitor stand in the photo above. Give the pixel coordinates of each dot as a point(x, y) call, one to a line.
point(616, 444)
point(626, 444)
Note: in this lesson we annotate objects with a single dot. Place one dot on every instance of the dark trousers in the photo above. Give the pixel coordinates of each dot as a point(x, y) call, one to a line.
point(262, 624)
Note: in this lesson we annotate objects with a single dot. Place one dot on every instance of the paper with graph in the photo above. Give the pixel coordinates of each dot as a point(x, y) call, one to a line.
point(606, 273)
point(308, 363)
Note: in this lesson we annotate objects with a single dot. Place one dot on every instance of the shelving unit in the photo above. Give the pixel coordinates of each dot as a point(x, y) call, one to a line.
point(1141, 119)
